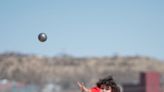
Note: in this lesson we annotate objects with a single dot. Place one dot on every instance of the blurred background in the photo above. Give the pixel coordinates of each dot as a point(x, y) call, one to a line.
point(87, 40)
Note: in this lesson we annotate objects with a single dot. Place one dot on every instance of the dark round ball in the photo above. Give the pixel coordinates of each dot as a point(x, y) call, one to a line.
point(42, 37)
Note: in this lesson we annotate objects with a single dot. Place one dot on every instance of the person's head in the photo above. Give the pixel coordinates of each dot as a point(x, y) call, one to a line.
point(108, 85)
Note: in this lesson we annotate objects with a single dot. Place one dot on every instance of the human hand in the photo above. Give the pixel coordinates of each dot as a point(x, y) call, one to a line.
point(82, 87)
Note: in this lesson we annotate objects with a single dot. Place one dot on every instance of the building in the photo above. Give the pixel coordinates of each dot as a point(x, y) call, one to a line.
point(149, 82)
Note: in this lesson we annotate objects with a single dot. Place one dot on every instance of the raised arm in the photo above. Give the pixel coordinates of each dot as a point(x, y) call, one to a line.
point(83, 88)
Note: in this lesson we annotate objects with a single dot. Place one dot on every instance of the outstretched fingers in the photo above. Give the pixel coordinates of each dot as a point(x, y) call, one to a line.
point(82, 87)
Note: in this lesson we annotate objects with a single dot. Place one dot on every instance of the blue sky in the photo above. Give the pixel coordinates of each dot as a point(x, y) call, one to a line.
point(83, 27)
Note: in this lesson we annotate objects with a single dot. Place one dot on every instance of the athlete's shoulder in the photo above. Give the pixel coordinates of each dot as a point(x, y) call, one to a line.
point(95, 89)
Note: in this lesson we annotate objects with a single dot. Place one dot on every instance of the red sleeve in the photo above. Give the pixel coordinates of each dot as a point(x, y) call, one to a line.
point(95, 89)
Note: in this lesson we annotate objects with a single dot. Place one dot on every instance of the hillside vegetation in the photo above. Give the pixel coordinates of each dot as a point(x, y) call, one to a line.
point(66, 69)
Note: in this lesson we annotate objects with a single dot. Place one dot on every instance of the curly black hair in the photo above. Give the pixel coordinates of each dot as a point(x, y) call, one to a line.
point(108, 81)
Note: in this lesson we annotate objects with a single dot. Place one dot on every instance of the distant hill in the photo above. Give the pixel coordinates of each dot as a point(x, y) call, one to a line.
point(66, 70)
